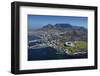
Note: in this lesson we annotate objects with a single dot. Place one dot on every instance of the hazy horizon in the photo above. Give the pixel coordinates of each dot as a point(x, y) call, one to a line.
point(38, 21)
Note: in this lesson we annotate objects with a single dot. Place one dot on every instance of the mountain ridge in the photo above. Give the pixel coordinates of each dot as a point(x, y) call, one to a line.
point(63, 27)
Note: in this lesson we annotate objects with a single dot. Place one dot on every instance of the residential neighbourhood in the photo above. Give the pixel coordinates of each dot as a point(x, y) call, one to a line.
point(58, 39)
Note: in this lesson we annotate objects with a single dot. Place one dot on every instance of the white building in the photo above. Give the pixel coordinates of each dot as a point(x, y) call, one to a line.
point(69, 43)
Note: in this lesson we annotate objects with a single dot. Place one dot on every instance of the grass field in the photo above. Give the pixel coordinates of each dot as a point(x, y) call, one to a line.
point(77, 45)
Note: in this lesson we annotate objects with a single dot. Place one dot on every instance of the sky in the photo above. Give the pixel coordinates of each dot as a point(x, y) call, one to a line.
point(38, 21)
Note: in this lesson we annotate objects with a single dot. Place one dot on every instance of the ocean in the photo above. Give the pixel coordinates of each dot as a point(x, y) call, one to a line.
point(49, 53)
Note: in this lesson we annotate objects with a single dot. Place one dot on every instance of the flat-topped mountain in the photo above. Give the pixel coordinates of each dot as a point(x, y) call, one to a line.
point(67, 31)
point(58, 26)
point(63, 27)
